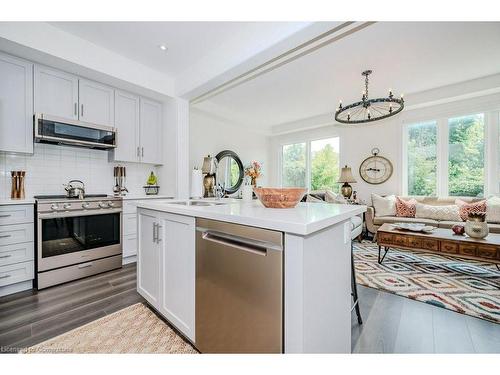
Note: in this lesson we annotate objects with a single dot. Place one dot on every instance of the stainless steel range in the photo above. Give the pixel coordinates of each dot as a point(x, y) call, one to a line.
point(77, 237)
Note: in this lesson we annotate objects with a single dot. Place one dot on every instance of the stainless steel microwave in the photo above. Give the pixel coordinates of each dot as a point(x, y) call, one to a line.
point(57, 130)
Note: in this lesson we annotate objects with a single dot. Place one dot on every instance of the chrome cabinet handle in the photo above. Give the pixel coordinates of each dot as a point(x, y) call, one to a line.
point(158, 239)
point(85, 265)
point(81, 112)
point(6, 236)
point(5, 256)
point(5, 215)
point(76, 108)
point(154, 232)
point(4, 276)
point(138, 151)
point(142, 151)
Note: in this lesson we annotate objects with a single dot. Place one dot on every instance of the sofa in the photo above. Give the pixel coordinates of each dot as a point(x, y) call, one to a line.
point(373, 222)
point(333, 198)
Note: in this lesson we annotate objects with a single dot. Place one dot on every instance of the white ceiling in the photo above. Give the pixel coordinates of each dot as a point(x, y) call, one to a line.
point(407, 57)
point(187, 42)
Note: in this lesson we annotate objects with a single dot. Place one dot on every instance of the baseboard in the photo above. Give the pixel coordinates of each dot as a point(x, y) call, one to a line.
point(15, 288)
point(131, 259)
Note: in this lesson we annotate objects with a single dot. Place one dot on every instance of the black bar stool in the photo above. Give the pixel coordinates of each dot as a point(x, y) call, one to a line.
point(354, 288)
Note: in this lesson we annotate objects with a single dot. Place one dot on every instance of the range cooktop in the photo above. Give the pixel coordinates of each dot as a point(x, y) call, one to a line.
point(75, 198)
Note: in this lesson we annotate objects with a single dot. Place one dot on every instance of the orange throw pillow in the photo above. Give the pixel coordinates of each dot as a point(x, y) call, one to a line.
point(464, 208)
point(406, 208)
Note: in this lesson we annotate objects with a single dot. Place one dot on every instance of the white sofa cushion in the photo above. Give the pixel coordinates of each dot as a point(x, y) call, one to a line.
point(426, 211)
point(384, 206)
point(493, 210)
point(331, 197)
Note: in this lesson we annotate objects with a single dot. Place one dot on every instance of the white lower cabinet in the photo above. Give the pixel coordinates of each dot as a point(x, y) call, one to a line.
point(166, 266)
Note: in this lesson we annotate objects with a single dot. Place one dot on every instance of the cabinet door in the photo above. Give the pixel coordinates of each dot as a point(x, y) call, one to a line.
point(127, 126)
point(56, 93)
point(151, 129)
point(97, 103)
point(16, 105)
point(177, 242)
point(148, 259)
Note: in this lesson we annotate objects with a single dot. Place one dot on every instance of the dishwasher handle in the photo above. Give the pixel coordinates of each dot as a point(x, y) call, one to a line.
point(242, 243)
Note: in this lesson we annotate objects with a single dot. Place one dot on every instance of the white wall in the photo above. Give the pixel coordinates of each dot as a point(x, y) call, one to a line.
point(51, 166)
point(356, 143)
point(208, 135)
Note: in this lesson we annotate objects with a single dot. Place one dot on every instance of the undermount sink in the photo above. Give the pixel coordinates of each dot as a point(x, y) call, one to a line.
point(198, 203)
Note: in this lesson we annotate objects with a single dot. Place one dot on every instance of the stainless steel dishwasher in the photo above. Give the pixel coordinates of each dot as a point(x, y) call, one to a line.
point(239, 288)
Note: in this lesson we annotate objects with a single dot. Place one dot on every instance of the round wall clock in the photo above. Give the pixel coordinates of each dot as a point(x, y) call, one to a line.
point(375, 169)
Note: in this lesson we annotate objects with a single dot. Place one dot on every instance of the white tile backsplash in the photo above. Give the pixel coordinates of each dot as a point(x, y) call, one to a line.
point(51, 166)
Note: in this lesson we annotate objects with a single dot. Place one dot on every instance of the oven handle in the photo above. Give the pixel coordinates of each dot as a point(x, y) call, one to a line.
point(55, 215)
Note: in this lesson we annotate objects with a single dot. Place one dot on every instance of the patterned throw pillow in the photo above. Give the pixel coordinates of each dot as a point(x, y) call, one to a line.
point(441, 213)
point(466, 208)
point(406, 208)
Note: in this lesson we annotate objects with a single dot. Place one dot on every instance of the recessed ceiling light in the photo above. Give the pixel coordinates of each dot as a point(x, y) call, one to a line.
point(162, 47)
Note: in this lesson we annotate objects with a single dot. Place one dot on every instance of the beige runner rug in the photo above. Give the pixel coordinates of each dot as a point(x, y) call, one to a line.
point(135, 329)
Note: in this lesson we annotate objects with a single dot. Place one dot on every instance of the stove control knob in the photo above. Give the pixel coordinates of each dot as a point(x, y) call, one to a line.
point(85, 204)
point(111, 204)
point(66, 206)
point(54, 207)
point(102, 204)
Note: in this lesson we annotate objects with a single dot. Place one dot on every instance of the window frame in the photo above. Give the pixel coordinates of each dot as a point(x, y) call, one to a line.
point(491, 150)
point(308, 142)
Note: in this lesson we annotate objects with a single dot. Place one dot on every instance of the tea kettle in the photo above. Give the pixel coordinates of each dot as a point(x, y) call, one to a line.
point(74, 191)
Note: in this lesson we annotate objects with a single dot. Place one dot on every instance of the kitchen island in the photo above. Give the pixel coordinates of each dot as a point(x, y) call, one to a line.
point(297, 295)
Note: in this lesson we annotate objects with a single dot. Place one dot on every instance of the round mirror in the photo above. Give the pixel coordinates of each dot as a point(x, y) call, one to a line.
point(229, 171)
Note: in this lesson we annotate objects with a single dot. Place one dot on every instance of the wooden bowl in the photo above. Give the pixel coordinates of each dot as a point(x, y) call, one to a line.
point(279, 197)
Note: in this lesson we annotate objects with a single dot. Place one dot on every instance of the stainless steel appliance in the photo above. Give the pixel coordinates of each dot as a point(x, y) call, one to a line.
point(52, 129)
point(77, 237)
point(75, 189)
point(239, 288)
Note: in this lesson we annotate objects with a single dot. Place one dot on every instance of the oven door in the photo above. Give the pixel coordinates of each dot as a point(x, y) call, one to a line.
point(67, 238)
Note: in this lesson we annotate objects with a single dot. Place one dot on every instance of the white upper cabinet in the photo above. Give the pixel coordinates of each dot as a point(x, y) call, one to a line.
point(56, 93)
point(150, 133)
point(127, 126)
point(16, 105)
point(97, 103)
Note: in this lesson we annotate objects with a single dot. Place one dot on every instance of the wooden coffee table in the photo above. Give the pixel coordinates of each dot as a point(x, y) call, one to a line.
point(440, 241)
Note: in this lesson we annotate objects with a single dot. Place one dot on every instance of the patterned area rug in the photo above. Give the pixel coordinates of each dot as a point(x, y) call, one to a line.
point(462, 285)
point(135, 329)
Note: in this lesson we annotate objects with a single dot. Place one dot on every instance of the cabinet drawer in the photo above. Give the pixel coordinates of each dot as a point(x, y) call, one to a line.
point(129, 224)
point(16, 214)
point(400, 240)
point(18, 233)
point(485, 251)
point(467, 249)
point(449, 247)
point(15, 273)
point(129, 207)
point(385, 238)
point(430, 244)
point(16, 253)
point(129, 245)
point(414, 242)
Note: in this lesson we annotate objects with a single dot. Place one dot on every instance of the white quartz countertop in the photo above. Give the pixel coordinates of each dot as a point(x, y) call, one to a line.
point(304, 219)
point(9, 201)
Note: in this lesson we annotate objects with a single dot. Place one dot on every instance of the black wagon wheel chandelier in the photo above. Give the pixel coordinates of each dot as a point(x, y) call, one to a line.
point(368, 110)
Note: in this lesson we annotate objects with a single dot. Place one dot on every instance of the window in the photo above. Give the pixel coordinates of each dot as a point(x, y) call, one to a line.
point(314, 164)
point(325, 164)
point(466, 155)
point(422, 158)
point(446, 157)
point(294, 165)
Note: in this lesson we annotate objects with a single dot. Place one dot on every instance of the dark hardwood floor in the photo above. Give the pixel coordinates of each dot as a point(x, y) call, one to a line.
point(392, 324)
point(30, 317)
